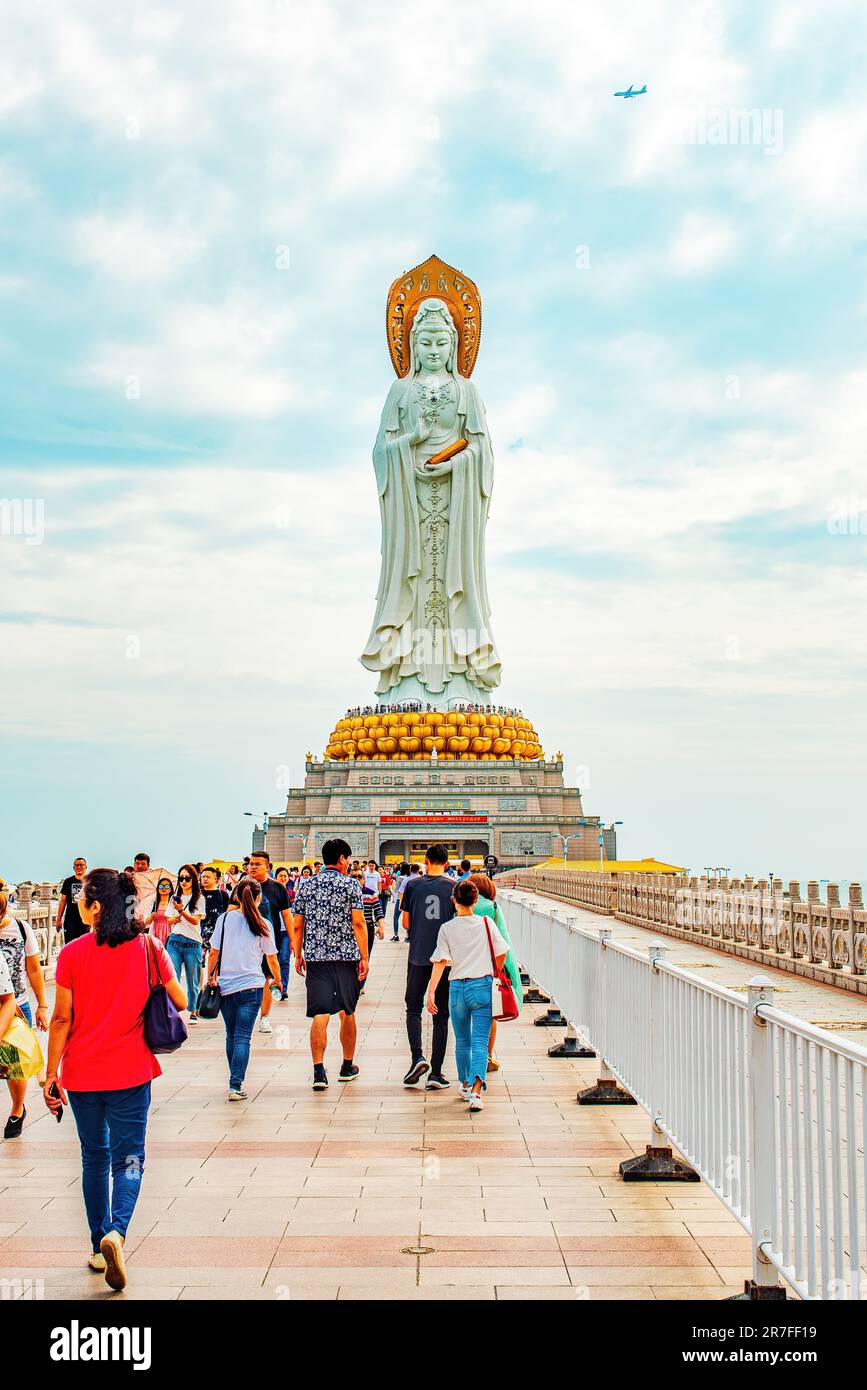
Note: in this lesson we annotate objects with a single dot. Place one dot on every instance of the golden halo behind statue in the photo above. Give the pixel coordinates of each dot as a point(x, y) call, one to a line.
point(433, 279)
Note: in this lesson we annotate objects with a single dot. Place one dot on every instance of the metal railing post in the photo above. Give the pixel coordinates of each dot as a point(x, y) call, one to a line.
point(606, 1091)
point(765, 1283)
point(657, 1163)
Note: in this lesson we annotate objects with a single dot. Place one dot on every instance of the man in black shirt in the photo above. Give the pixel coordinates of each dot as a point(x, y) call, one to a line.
point(427, 904)
point(67, 904)
point(216, 901)
point(276, 908)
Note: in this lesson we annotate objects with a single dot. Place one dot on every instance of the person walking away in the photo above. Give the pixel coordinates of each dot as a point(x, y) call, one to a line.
point(385, 882)
point(427, 904)
point(373, 919)
point(487, 906)
point(276, 908)
point(157, 920)
point(20, 951)
point(329, 938)
point(400, 879)
point(285, 877)
point(99, 1062)
point(466, 870)
point(68, 921)
point(242, 940)
point(463, 947)
point(184, 943)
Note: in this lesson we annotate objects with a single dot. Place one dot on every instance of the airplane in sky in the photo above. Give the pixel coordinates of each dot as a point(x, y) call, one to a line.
point(631, 93)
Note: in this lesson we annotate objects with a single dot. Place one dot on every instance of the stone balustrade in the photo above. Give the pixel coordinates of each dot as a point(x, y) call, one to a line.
point(825, 940)
point(37, 905)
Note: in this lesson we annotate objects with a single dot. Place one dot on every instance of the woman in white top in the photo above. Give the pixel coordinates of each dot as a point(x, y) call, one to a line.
point(463, 943)
point(184, 943)
point(242, 938)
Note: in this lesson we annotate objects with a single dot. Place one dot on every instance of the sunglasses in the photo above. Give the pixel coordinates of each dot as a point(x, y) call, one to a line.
point(185, 878)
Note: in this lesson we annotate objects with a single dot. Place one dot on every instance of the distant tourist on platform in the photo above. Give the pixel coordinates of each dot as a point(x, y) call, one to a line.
point(20, 951)
point(329, 939)
point(241, 947)
point(276, 908)
point(99, 1061)
point(68, 920)
point(462, 948)
point(427, 904)
point(184, 944)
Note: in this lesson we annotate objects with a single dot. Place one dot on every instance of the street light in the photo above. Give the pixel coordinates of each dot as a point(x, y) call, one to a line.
point(264, 819)
point(602, 829)
point(566, 839)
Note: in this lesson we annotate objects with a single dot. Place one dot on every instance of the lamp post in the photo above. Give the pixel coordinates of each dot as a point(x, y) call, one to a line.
point(264, 823)
point(602, 829)
point(566, 839)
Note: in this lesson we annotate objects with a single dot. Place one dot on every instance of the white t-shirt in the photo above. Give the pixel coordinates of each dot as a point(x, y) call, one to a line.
point(464, 942)
point(243, 952)
point(5, 979)
point(372, 881)
point(14, 951)
point(192, 931)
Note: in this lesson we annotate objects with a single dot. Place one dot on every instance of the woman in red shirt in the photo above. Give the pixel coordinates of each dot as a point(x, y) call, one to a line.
point(99, 1061)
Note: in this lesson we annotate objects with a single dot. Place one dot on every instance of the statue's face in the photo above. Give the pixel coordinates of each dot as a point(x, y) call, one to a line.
point(433, 346)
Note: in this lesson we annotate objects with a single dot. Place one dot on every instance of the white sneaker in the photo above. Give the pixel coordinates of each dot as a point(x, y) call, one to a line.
point(463, 1092)
point(265, 1025)
point(476, 1102)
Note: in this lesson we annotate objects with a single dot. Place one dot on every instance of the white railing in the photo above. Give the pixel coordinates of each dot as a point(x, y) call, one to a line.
point(769, 1110)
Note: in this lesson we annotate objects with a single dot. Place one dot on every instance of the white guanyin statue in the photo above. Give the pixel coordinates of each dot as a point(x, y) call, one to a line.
point(431, 639)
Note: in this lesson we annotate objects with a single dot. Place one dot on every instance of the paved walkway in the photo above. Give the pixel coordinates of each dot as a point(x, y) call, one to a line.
point(298, 1195)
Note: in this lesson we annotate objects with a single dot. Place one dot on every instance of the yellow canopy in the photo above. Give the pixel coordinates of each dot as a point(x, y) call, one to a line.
point(613, 866)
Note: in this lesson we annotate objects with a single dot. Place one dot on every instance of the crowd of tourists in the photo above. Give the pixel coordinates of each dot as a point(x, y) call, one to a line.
point(148, 952)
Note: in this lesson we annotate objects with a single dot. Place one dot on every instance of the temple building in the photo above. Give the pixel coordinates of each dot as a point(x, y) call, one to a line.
point(390, 804)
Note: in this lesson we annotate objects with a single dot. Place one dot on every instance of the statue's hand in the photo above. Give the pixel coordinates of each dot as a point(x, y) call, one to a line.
point(422, 430)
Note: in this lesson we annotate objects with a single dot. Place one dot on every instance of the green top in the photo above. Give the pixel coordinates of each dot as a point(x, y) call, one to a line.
point(485, 908)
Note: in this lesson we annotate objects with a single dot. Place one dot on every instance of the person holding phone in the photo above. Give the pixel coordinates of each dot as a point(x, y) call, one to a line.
point(157, 920)
point(184, 944)
point(99, 1062)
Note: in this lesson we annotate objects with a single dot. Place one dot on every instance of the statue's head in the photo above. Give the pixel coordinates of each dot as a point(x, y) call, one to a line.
point(433, 338)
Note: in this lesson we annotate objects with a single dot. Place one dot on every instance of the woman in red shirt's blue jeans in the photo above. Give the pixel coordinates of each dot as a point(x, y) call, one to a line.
point(98, 1059)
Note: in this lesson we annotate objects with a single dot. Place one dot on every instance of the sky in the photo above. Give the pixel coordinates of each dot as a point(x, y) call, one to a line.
point(201, 209)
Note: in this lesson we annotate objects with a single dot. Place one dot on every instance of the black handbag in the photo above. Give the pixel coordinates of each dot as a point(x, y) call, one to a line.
point(164, 1029)
point(209, 997)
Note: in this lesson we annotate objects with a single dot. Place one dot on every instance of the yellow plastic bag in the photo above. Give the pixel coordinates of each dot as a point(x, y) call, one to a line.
point(20, 1051)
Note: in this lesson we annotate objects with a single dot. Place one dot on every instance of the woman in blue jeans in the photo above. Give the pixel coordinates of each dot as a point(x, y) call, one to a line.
point(463, 944)
point(186, 914)
point(98, 1058)
point(241, 939)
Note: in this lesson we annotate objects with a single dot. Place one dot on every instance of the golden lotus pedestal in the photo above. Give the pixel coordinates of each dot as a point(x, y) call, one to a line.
point(423, 735)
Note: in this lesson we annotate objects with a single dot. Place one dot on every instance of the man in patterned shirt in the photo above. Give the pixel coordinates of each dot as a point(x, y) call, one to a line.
point(329, 938)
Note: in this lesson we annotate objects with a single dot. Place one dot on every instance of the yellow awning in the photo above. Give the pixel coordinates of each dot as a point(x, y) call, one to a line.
point(613, 866)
